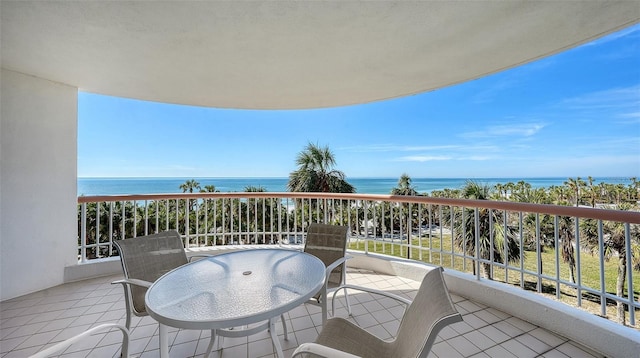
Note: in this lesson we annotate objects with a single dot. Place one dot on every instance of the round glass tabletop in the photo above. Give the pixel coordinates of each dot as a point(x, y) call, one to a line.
point(235, 288)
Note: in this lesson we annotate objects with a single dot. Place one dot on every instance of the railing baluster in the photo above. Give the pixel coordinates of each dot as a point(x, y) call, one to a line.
point(187, 208)
point(197, 232)
point(178, 215)
point(135, 218)
point(521, 234)
point(441, 236)
point(491, 244)
point(603, 288)
point(83, 233)
point(215, 221)
point(146, 218)
point(97, 244)
point(464, 240)
point(166, 215)
point(476, 231)
point(157, 204)
point(630, 292)
point(264, 237)
point(226, 234)
point(538, 255)
point(110, 228)
point(206, 222)
point(578, 270)
point(271, 220)
point(557, 246)
point(506, 245)
point(124, 221)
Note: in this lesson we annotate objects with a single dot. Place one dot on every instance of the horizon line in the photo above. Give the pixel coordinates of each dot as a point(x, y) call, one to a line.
point(358, 177)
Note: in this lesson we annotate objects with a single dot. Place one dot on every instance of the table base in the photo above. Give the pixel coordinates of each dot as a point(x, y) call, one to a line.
point(231, 333)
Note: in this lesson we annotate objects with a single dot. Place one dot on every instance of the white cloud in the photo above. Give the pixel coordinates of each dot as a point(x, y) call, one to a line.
point(630, 115)
point(629, 118)
point(507, 130)
point(626, 99)
point(423, 158)
point(397, 148)
point(477, 158)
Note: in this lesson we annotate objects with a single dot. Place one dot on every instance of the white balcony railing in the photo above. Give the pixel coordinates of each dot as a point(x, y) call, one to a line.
point(584, 257)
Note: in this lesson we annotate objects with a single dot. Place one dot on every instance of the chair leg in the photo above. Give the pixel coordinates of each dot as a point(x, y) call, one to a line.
point(284, 327)
point(324, 313)
point(127, 322)
point(346, 298)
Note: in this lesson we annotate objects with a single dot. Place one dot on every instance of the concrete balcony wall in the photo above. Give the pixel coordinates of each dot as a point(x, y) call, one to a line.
point(37, 183)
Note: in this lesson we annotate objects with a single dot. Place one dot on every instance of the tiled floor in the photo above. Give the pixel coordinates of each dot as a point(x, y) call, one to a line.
point(32, 322)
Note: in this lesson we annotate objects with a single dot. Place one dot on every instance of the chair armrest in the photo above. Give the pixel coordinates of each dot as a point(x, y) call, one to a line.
point(370, 290)
point(337, 263)
point(318, 350)
point(61, 346)
point(198, 256)
point(378, 292)
point(133, 281)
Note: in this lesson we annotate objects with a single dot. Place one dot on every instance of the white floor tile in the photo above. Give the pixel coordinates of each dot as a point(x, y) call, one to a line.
point(35, 321)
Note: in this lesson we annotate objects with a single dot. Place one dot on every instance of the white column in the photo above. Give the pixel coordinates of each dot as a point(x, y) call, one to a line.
point(38, 152)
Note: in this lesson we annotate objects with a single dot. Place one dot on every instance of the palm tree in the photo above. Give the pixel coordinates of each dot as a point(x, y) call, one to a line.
point(209, 189)
point(619, 190)
point(490, 228)
point(615, 242)
point(190, 205)
point(557, 195)
point(529, 195)
point(634, 188)
point(509, 187)
point(592, 190)
point(316, 174)
point(499, 188)
point(567, 236)
point(405, 188)
point(190, 186)
point(207, 210)
point(575, 185)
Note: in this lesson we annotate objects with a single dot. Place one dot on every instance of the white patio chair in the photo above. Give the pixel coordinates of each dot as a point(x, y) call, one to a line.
point(144, 259)
point(329, 244)
point(430, 311)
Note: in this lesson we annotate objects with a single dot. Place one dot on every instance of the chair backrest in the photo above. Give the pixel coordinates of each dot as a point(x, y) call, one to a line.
point(328, 243)
point(149, 257)
point(429, 312)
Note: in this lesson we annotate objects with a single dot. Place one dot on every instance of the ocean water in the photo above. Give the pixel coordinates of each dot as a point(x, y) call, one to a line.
point(116, 186)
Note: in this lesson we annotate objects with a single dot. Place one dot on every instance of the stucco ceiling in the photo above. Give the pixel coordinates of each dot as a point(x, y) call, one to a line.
point(286, 54)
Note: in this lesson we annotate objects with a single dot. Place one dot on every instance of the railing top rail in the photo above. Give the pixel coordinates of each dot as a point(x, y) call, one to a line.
point(632, 217)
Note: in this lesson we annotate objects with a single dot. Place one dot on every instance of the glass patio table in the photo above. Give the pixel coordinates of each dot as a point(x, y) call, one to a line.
point(234, 289)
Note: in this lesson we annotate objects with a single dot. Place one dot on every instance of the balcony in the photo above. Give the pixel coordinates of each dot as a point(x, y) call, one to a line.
point(531, 306)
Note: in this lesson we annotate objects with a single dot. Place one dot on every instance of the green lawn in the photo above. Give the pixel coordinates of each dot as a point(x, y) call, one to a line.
point(589, 275)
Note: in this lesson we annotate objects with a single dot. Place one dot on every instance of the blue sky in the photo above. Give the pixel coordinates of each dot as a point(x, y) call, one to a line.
point(573, 114)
